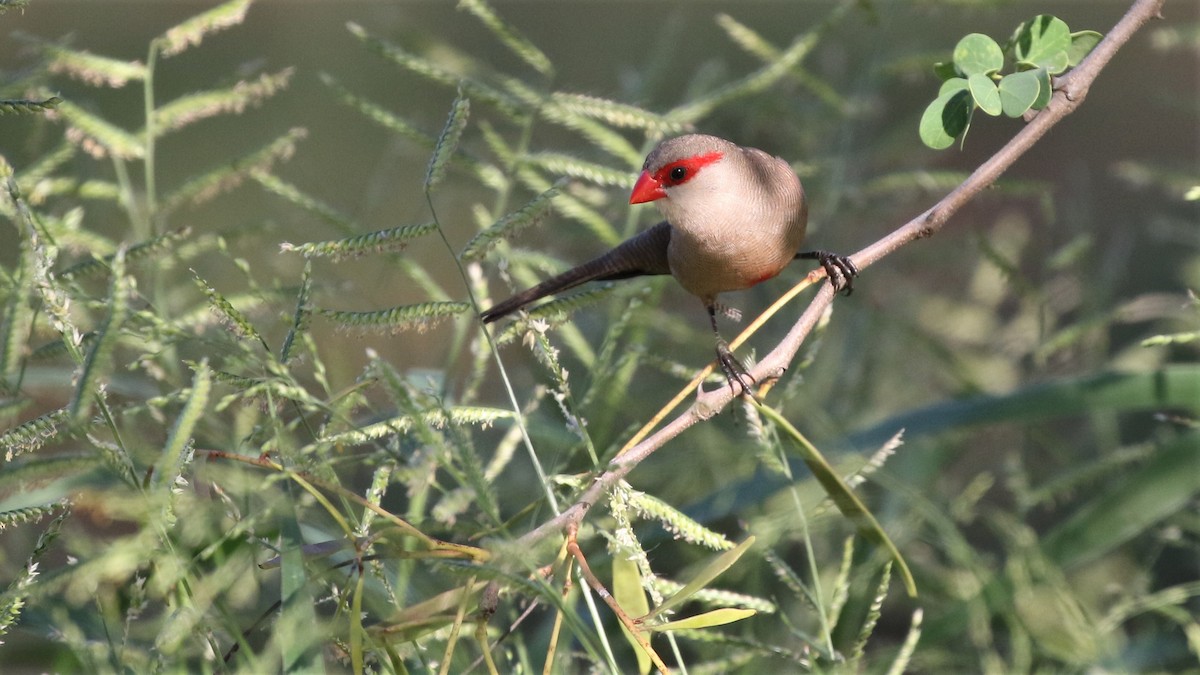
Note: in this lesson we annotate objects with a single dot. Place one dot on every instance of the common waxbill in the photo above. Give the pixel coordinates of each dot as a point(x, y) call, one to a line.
point(734, 217)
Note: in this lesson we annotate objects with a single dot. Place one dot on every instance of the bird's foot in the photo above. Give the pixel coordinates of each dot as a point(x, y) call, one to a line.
point(732, 313)
point(840, 269)
point(735, 372)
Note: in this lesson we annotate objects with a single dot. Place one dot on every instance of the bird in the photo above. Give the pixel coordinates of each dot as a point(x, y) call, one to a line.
point(734, 217)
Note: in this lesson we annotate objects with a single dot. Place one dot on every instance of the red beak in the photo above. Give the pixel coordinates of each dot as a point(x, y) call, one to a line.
point(646, 189)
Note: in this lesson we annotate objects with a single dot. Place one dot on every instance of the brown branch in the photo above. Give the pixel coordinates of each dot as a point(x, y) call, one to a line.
point(1070, 90)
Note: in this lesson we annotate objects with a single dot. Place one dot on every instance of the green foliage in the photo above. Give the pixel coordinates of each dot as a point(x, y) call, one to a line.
point(240, 487)
point(19, 106)
point(1039, 49)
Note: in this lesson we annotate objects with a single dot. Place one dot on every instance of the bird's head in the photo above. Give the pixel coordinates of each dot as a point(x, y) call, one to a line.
point(680, 165)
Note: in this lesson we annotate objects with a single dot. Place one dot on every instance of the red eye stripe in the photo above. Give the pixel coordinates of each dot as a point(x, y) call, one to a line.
point(682, 170)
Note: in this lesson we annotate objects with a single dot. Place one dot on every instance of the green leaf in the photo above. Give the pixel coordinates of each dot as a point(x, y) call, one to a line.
point(193, 31)
point(1173, 386)
point(1045, 89)
point(1082, 44)
point(175, 453)
point(1019, 91)
point(953, 85)
point(530, 215)
point(447, 142)
point(841, 495)
point(628, 592)
point(985, 94)
point(98, 364)
point(717, 617)
point(1166, 484)
point(945, 119)
point(420, 316)
point(24, 105)
point(192, 108)
point(945, 70)
point(978, 54)
point(98, 136)
point(92, 69)
point(711, 571)
point(380, 241)
point(1043, 41)
point(507, 34)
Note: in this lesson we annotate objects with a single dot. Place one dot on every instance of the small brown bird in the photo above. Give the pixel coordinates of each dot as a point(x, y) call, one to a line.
point(735, 217)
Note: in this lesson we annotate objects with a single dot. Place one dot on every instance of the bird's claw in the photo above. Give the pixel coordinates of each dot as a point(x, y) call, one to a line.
point(735, 372)
point(840, 269)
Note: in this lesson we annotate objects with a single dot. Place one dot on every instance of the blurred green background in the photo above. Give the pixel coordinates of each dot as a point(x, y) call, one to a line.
point(1084, 249)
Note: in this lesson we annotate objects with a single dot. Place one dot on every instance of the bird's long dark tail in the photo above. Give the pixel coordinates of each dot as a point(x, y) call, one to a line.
point(644, 254)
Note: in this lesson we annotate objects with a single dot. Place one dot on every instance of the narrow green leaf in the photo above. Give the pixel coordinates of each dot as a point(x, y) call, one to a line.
point(511, 225)
point(231, 317)
point(631, 597)
point(18, 318)
point(752, 83)
point(20, 105)
point(615, 113)
point(978, 54)
point(1174, 386)
point(297, 618)
point(33, 434)
point(99, 358)
point(753, 42)
point(231, 174)
point(174, 453)
point(438, 419)
point(678, 523)
point(379, 242)
point(509, 36)
point(1164, 485)
point(717, 617)
point(192, 108)
point(193, 31)
point(485, 173)
point(871, 620)
point(841, 495)
point(98, 137)
point(139, 251)
point(566, 165)
point(1018, 92)
point(300, 317)
point(447, 142)
point(302, 199)
point(711, 571)
point(436, 73)
point(95, 70)
point(985, 94)
point(596, 133)
point(421, 316)
point(900, 663)
point(574, 208)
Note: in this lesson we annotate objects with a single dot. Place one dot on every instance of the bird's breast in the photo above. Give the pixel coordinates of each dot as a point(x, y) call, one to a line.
point(729, 258)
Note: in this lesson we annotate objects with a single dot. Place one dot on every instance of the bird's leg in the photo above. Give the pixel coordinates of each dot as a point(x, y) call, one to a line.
point(733, 369)
point(840, 269)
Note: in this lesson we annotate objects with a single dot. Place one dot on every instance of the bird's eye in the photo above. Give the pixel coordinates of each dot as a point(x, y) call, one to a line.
point(678, 174)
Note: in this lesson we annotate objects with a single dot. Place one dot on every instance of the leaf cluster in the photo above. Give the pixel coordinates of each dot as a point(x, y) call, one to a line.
point(1039, 49)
